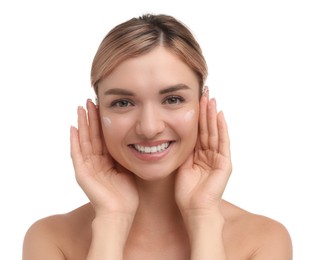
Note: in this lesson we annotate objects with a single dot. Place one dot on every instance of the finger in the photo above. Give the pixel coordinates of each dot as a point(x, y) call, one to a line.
point(224, 141)
point(198, 145)
point(94, 128)
point(75, 147)
point(83, 133)
point(212, 125)
point(203, 122)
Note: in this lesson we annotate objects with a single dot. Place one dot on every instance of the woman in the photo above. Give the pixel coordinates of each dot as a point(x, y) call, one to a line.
point(153, 157)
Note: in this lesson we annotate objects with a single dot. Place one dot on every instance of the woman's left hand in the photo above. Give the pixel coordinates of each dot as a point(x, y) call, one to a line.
point(201, 180)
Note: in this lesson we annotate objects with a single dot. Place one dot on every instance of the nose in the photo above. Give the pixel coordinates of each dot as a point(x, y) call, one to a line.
point(150, 122)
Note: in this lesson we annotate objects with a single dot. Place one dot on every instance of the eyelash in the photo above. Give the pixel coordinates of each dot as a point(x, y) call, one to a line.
point(120, 103)
point(177, 98)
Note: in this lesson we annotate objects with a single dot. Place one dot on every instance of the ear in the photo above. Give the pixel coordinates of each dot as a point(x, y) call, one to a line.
point(205, 90)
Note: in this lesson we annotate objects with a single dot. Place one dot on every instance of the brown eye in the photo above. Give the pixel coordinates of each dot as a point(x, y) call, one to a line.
point(121, 103)
point(172, 100)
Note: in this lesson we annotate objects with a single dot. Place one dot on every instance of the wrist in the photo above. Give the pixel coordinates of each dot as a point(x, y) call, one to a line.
point(109, 236)
point(111, 230)
point(205, 233)
point(203, 222)
point(199, 213)
point(113, 221)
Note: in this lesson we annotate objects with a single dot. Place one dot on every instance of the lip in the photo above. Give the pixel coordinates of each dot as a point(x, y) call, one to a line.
point(151, 156)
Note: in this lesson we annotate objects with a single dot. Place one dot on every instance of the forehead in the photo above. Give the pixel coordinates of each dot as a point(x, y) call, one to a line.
point(158, 68)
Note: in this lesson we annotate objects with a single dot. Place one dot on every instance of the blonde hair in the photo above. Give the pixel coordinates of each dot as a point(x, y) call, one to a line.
point(138, 36)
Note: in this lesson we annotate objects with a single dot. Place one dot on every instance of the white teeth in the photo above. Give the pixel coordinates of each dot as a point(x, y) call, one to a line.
point(151, 149)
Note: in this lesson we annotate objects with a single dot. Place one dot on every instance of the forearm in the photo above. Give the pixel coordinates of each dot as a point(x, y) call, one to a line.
point(109, 235)
point(206, 236)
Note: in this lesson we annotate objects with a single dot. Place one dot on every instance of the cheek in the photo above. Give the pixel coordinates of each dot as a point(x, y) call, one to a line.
point(115, 128)
point(106, 122)
point(189, 115)
point(186, 124)
point(111, 124)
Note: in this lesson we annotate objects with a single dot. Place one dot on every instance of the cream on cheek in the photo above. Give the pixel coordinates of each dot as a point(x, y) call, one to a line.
point(185, 124)
point(116, 124)
point(189, 115)
point(106, 121)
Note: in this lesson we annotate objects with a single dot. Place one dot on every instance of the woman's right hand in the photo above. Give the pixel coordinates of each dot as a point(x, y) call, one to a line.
point(109, 191)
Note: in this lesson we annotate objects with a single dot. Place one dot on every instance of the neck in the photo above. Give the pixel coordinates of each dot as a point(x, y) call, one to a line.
point(158, 223)
point(157, 208)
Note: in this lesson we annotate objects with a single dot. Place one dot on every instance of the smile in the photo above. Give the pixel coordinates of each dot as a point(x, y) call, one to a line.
point(151, 149)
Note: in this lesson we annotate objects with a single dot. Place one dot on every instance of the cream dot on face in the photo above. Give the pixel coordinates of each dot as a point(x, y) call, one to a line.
point(106, 121)
point(189, 115)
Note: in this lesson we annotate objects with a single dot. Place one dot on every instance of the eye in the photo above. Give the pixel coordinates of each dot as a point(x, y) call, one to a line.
point(172, 100)
point(121, 103)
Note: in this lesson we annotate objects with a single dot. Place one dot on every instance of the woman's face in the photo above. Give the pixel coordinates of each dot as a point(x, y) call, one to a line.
point(149, 109)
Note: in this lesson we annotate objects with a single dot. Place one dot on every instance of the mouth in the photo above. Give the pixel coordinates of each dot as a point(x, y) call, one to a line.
point(151, 149)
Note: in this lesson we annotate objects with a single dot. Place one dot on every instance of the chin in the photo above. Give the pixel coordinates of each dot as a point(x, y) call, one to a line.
point(153, 172)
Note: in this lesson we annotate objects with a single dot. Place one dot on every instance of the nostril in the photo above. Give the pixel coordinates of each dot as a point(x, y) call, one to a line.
point(150, 125)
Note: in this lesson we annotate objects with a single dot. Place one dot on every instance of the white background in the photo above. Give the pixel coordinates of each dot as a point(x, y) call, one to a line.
point(260, 62)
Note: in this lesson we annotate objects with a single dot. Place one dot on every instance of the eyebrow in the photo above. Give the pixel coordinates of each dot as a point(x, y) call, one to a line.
point(124, 92)
point(119, 91)
point(173, 88)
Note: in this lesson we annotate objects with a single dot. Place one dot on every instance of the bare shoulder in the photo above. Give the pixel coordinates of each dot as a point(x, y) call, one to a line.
point(56, 236)
point(252, 236)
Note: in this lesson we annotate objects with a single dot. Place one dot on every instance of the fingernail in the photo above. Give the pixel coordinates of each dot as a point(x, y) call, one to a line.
point(79, 108)
point(88, 101)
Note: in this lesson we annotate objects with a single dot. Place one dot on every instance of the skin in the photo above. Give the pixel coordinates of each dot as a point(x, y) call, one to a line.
point(154, 206)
